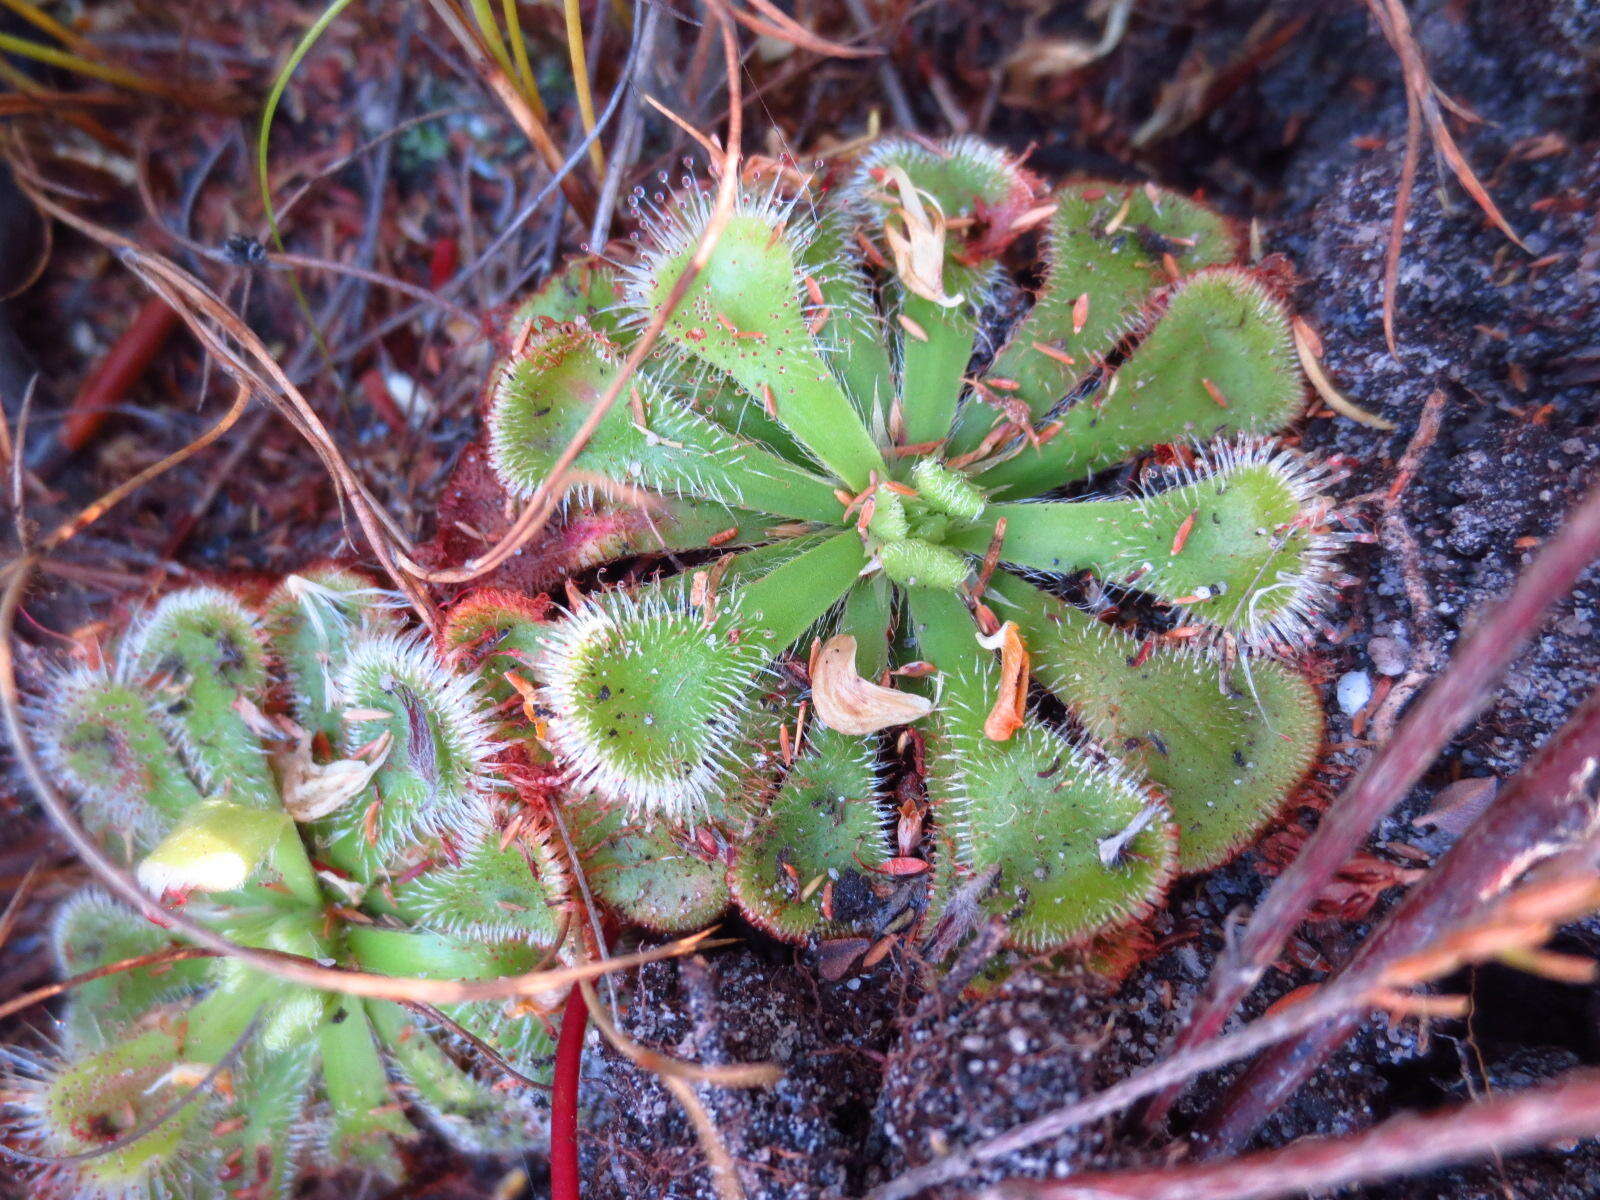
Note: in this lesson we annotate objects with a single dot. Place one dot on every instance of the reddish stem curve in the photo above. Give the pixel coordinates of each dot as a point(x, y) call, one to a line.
point(564, 1098)
point(1407, 1145)
point(112, 377)
point(1540, 812)
point(1452, 701)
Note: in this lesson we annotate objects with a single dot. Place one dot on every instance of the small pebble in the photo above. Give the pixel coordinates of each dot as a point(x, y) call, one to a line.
point(1353, 691)
point(410, 397)
point(1387, 655)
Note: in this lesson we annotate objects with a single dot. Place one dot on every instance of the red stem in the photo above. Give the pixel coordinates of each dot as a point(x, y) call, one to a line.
point(1541, 810)
point(117, 372)
point(1569, 1107)
point(564, 1099)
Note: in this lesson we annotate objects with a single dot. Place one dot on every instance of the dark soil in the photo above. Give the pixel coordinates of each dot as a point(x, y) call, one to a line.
point(1307, 139)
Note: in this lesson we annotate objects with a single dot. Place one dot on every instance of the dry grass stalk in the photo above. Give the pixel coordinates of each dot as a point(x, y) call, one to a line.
point(1422, 108)
point(1525, 918)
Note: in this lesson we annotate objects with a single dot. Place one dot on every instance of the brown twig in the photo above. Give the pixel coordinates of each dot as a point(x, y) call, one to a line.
point(1449, 704)
point(775, 23)
point(1422, 108)
point(1401, 543)
point(93, 512)
point(8, 918)
point(1522, 919)
point(495, 1059)
point(243, 355)
point(159, 958)
point(1405, 1145)
point(679, 1078)
point(1537, 814)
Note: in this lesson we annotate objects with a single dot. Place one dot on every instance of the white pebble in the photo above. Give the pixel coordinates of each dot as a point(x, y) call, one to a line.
point(1353, 691)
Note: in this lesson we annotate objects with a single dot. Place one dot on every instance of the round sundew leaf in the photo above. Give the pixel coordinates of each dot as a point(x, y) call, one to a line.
point(1219, 359)
point(647, 693)
point(1232, 761)
point(1042, 810)
point(91, 930)
point(1227, 752)
point(907, 192)
point(494, 632)
point(1080, 845)
point(542, 400)
point(1106, 254)
point(655, 874)
point(847, 326)
point(745, 315)
point(962, 175)
point(669, 876)
point(645, 699)
point(585, 289)
point(311, 620)
point(207, 654)
point(104, 738)
point(90, 1100)
point(1239, 546)
point(490, 893)
point(823, 823)
point(526, 1038)
point(441, 742)
point(1253, 560)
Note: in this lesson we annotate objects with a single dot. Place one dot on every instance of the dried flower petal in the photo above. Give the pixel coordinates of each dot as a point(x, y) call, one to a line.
point(312, 790)
point(853, 705)
point(918, 250)
point(1010, 708)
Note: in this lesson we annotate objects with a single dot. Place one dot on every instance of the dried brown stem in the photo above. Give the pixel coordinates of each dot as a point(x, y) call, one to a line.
point(495, 1059)
point(775, 23)
point(1520, 921)
point(1406, 1145)
point(243, 355)
point(1539, 813)
point(159, 958)
point(1422, 108)
point(679, 1078)
point(93, 512)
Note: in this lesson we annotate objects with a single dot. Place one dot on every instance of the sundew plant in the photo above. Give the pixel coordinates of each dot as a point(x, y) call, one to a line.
point(1037, 569)
point(901, 470)
point(301, 776)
